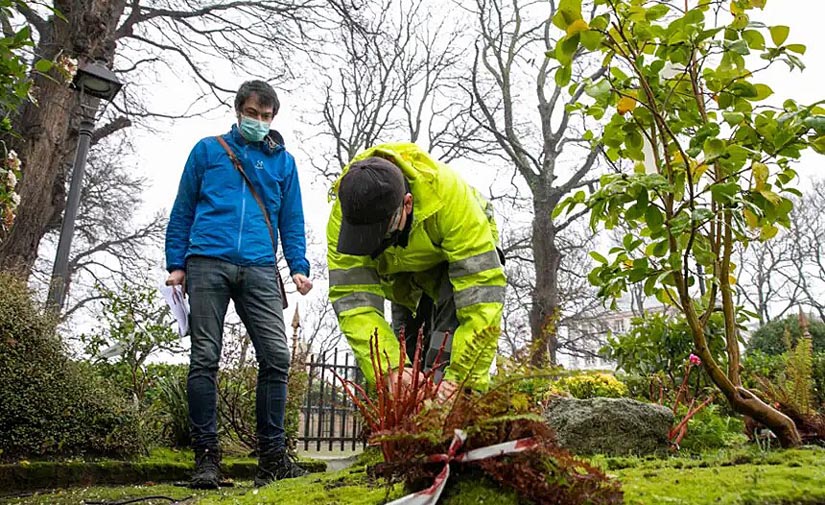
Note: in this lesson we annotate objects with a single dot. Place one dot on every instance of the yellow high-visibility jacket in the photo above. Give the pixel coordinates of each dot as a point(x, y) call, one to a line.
point(452, 223)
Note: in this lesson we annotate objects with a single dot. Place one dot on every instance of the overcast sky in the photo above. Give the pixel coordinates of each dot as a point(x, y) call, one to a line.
point(160, 157)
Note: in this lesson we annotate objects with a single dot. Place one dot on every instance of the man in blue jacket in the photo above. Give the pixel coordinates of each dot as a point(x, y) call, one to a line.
point(219, 242)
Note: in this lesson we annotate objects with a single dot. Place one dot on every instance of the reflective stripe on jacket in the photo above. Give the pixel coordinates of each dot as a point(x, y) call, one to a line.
point(452, 223)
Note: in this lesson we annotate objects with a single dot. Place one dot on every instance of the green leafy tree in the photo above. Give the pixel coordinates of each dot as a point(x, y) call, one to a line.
point(14, 91)
point(658, 344)
point(699, 163)
point(14, 80)
point(770, 338)
point(135, 325)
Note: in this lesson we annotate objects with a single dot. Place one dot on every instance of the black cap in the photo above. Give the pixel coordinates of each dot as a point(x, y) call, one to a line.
point(371, 192)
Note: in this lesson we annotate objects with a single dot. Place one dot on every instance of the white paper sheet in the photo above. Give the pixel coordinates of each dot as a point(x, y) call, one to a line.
point(177, 301)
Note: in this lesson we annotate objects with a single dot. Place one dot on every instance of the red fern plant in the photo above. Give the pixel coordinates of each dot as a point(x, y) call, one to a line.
point(411, 423)
point(393, 413)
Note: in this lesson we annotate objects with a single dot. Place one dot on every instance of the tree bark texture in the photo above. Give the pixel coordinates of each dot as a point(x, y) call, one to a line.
point(544, 313)
point(45, 129)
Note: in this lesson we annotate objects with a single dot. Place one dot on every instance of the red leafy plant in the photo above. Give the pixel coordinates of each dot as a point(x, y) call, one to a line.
point(412, 421)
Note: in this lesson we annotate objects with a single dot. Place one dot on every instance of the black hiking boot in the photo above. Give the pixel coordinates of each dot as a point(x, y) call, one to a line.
point(276, 465)
point(207, 469)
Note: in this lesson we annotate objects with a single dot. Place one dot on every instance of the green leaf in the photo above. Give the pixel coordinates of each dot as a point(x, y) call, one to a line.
point(599, 91)
point(740, 47)
point(591, 39)
point(569, 11)
point(598, 257)
point(768, 232)
point(566, 48)
point(733, 118)
point(657, 12)
point(724, 192)
point(563, 75)
point(796, 48)
point(815, 122)
point(713, 149)
point(818, 144)
point(763, 91)
point(654, 218)
point(779, 34)
point(754, 38)
point(43, 66)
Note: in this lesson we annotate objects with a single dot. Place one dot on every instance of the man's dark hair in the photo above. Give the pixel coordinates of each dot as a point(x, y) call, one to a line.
point(266, 95)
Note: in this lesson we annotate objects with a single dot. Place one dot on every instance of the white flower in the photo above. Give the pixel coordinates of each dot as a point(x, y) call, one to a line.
point(15, 200)
point(67, 66)
point(12, 161)
point(11, 179)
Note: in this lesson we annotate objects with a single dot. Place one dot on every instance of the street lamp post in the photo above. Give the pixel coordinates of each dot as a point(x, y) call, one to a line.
point(96, 80)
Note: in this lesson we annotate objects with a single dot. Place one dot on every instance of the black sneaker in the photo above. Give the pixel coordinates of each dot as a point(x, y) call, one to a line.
point(277, 465)
point(207, 469)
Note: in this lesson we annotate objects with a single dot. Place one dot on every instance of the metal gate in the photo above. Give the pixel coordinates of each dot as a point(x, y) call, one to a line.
point(330, 421)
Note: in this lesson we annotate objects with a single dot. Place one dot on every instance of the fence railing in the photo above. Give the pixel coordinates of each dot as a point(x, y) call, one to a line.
point(330, 421)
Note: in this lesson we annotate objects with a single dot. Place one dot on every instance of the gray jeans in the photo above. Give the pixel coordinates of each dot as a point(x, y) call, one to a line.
point(211, 283)
point(438, 318)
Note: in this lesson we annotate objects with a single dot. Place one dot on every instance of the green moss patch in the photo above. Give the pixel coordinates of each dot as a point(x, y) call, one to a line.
point(160, 466)
point(726, 478)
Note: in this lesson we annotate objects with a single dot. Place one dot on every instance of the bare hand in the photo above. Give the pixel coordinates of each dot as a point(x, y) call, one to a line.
point(407, 377)
point(176, 278)
point(302, 283)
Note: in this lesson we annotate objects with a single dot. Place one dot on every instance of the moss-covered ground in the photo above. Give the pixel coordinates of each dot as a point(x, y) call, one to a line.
point(743, 477)
point(161, 465)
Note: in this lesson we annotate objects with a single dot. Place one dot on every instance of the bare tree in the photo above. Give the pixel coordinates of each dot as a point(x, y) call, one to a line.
point(109, 248)
point(394, 76)
point(807, 249)
point(519, 104)
point(141, 37)
point(766, 283)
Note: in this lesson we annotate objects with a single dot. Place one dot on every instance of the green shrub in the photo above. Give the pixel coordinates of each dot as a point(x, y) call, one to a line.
point(770, 338)
point(591, 386)
point(819, 379)
point(297, 387)
point(49, 404)
point(711, 429)
point(657, 347)
point(641, 387)
point(171, 403)
point(758, 364)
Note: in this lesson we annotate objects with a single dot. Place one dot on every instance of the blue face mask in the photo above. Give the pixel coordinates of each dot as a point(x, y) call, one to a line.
point(253, 130)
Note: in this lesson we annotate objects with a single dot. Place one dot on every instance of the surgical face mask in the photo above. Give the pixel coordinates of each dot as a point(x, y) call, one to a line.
point(253, 130)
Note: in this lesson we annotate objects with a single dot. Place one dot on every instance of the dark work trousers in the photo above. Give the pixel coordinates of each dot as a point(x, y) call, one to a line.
point(211, 283)
point(438, 318)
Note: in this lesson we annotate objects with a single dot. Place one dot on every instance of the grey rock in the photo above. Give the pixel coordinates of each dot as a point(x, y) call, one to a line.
point(610, 426)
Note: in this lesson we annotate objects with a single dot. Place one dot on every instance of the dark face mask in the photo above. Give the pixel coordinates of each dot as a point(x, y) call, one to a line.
point(399, 238)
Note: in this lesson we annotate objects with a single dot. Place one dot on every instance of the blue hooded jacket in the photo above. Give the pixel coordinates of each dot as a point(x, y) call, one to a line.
point(215, 214)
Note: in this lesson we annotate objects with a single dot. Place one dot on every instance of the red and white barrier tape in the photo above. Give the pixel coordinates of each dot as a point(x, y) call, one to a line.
point(431, 495)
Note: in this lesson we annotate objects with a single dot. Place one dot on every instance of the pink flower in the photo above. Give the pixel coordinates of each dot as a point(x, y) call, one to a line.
point(694, 359)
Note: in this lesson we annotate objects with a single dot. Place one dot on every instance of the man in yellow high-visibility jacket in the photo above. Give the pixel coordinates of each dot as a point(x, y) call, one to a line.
point(407, 228)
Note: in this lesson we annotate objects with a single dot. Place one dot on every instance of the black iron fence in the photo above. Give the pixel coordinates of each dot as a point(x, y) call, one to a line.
point(330, 421)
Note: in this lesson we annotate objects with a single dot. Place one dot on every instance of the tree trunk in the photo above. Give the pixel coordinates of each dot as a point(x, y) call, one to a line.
point(544, 313)
point(744, 402)
point(45, 129)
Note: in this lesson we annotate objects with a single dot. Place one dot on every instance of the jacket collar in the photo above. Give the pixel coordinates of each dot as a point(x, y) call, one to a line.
point(271, 144)
point(419, 169)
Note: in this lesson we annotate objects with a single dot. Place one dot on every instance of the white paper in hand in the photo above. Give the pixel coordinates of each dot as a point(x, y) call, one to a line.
point(180, 306)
